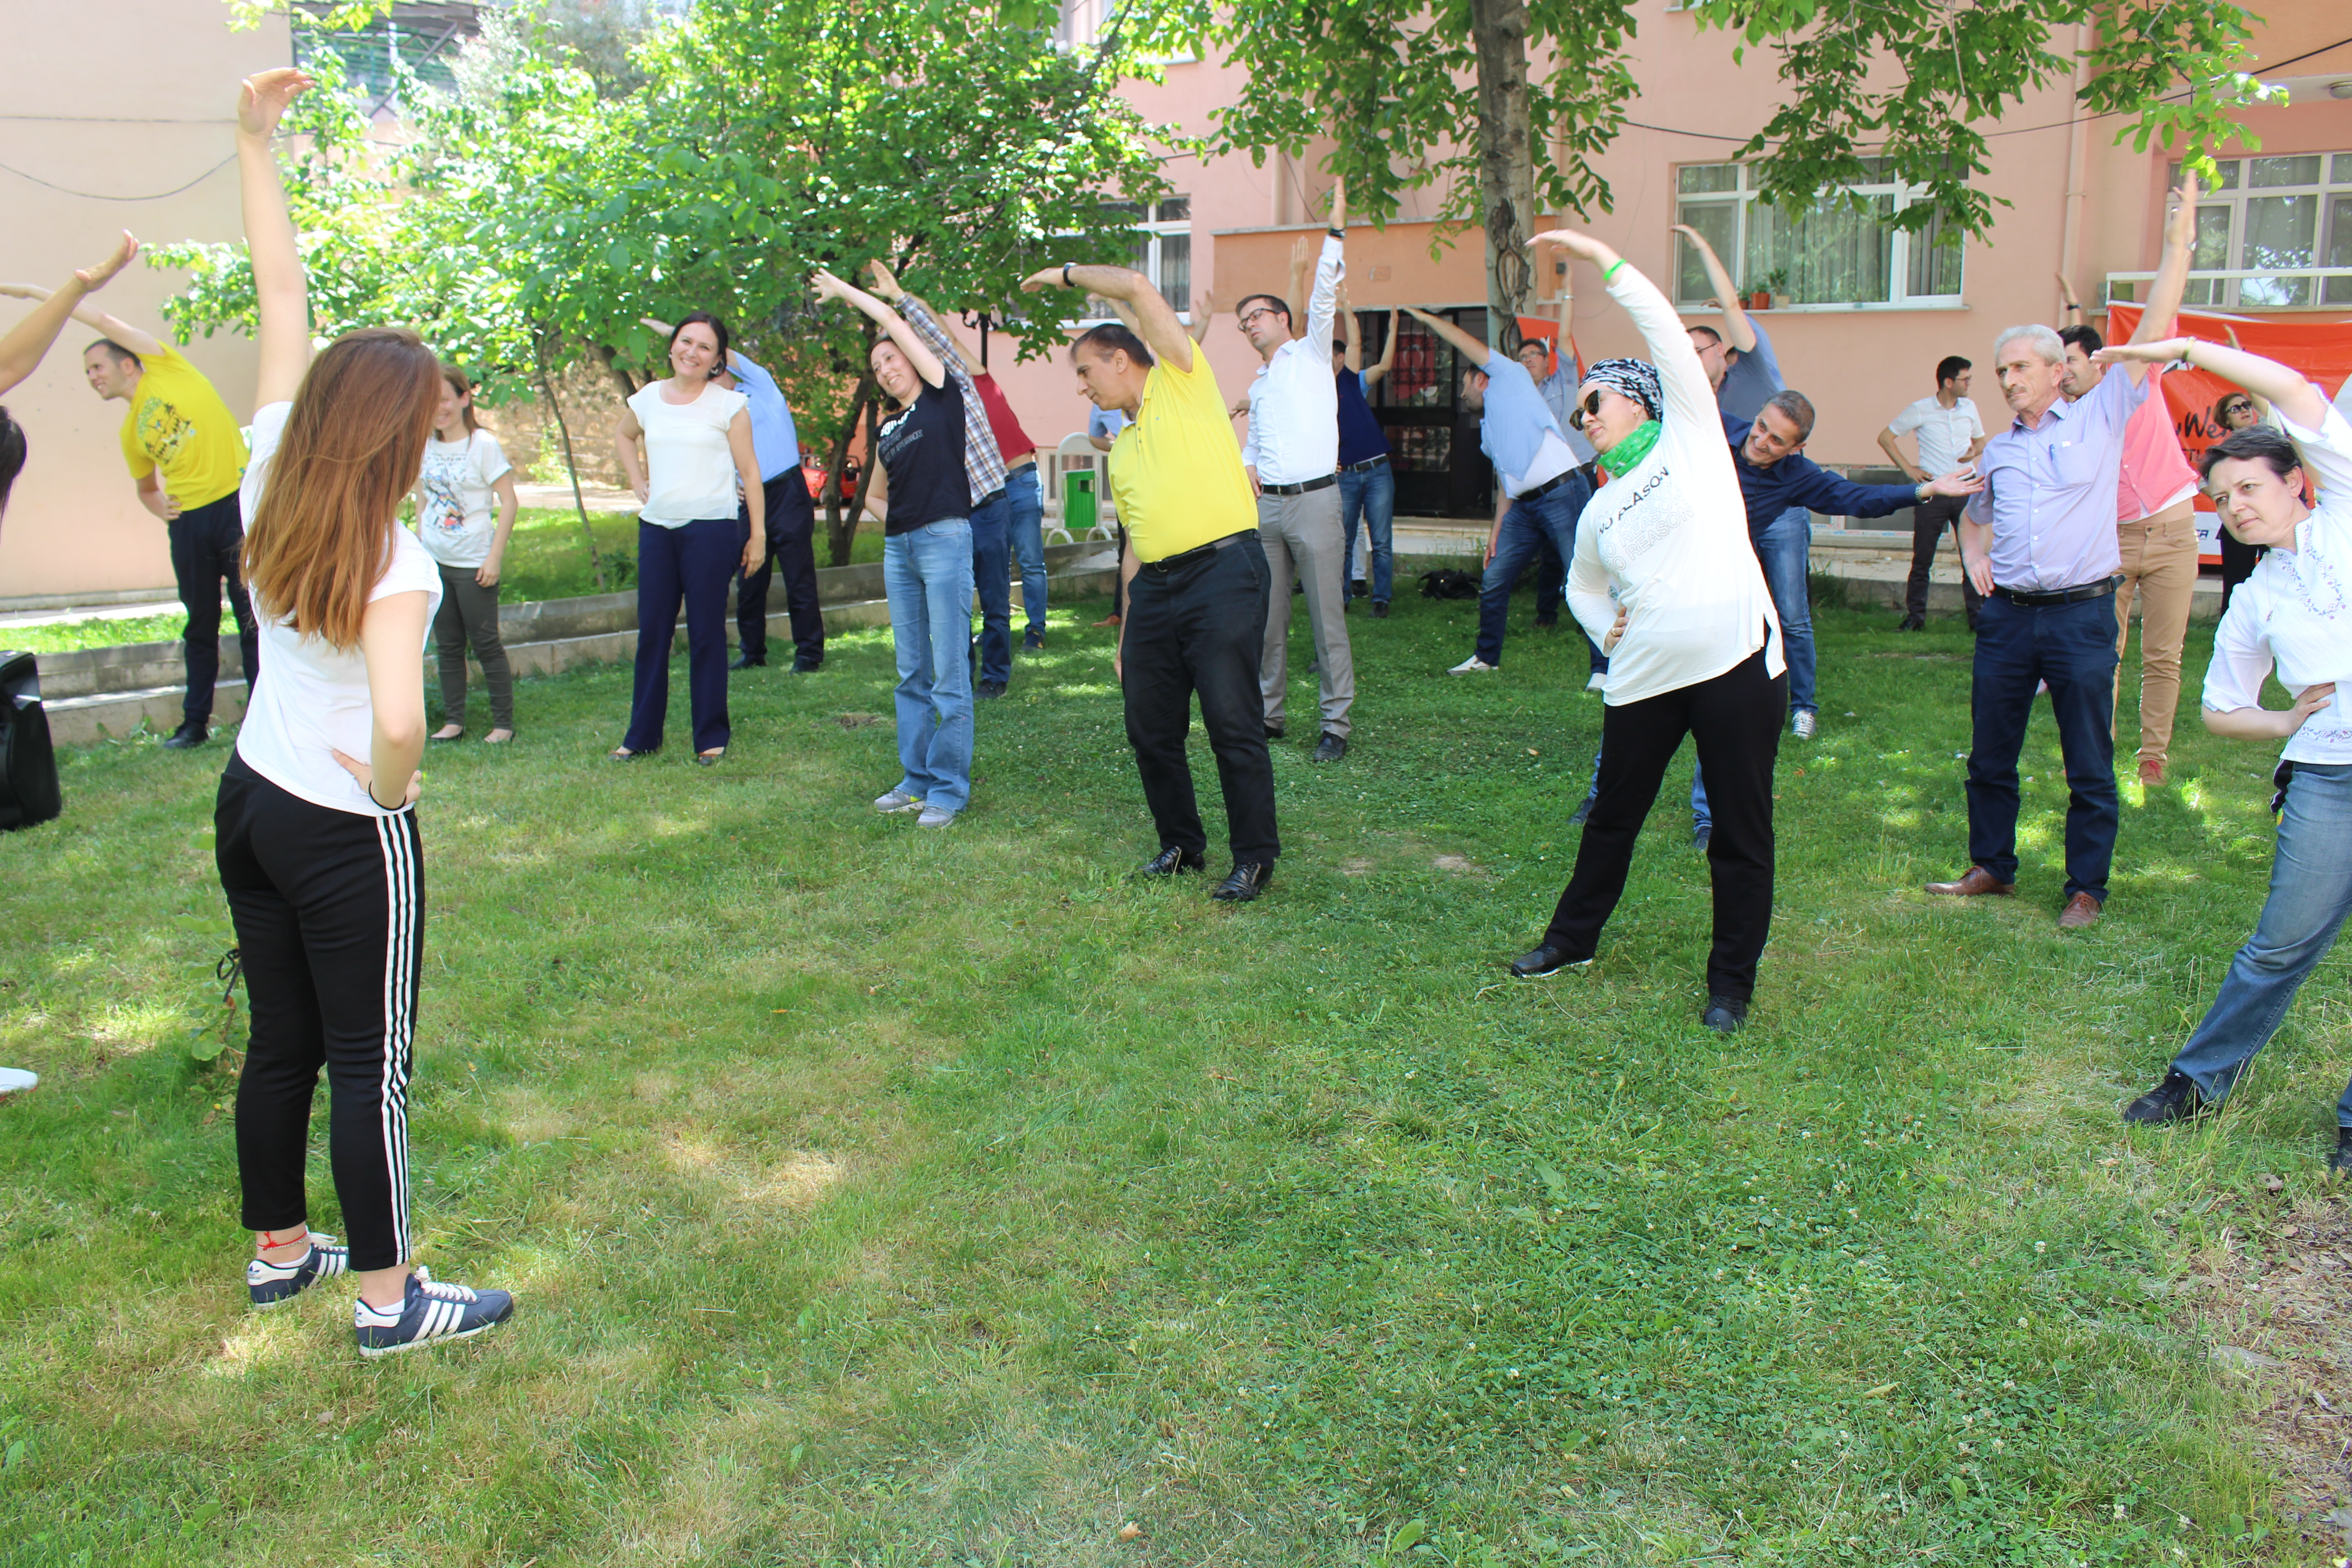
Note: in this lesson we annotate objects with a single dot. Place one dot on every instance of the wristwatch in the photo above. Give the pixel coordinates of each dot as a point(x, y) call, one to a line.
point(1065, 275)
point(1921, 491)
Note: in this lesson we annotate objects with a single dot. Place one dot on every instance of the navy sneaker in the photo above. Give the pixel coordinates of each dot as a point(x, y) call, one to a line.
point(274, 1283)
point(430, 1314)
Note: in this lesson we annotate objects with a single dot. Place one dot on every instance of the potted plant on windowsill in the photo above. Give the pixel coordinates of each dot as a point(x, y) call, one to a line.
point(1776, 289)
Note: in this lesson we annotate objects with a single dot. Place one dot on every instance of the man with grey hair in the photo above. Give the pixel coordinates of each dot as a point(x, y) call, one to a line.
point(2039, 544)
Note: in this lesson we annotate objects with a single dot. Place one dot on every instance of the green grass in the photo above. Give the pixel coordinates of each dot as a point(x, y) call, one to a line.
point(879, 1197)
point(65, 636)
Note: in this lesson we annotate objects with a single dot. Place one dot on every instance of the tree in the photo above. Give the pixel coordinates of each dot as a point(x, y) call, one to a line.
point(1383, 78)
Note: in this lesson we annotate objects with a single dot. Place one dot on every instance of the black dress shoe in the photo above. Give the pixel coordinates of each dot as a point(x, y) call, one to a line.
point(187, 735)
point(1583, 812)
point(1329, 749)
point(1379, 609)
point(1912, 624)
point(2174, 1100)
point(749, 661)
point(1274, 732)
point(1724, 1014)
point(987, 688)
point(807, 667)
point(1172, 861)
point(1248, 880)
point(2339, 1159)
point(1033, 640)
point(1545, 623)
point(1542, 960)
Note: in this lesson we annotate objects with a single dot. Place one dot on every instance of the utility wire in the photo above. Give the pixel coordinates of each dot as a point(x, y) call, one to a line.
point(96, 196)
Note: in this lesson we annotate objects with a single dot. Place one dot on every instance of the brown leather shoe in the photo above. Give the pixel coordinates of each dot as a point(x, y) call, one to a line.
point(2080, 910)
point(2151, 772)
point(1976, 884)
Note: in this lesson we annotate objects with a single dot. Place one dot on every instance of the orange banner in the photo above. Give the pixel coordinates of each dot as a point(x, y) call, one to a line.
point(2321, 350)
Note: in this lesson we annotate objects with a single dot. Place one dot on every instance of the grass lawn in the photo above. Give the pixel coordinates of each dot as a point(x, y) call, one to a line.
point(876, 1196)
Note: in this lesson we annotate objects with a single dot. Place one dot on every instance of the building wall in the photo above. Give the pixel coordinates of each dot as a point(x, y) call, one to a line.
point(148, 112)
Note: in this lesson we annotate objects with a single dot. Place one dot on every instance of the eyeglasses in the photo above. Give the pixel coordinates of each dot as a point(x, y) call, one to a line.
point(1253, 315)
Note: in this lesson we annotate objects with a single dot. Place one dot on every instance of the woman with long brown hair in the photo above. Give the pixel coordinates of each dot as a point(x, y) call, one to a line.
point(316, 831)
point(466, 476)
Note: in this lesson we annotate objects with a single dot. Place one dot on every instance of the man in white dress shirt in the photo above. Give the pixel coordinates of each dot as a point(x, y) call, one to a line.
point(1292, 458)
point(1949, 433)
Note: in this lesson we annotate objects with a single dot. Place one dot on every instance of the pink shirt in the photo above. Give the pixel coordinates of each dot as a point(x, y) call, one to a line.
point(2155, 473)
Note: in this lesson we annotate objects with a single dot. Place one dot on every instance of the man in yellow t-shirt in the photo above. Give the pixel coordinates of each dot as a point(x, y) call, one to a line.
point(187, 455)
point(1193, 573)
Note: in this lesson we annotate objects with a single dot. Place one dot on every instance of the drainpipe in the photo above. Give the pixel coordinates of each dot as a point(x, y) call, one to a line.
point(2077, 180)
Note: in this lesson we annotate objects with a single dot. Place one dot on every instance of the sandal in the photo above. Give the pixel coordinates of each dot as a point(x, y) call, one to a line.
point(622, 755)
point(711, 758)
point(448, 732)
point(497, 737)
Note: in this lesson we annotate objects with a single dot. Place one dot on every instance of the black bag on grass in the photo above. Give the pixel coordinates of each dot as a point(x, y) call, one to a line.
point(1446, 583)
point(28, 765)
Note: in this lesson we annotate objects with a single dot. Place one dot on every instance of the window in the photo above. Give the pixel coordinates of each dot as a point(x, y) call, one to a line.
point(1163, 253)
point(1829, 254)
point(2269, 229)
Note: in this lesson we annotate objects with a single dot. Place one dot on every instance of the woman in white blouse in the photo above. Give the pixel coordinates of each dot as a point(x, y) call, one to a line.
point(1665, 582)
point(2294, 612)
point(686, 446)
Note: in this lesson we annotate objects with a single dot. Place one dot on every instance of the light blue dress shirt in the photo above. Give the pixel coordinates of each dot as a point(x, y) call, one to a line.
point(2050, 491)
point(776, 439)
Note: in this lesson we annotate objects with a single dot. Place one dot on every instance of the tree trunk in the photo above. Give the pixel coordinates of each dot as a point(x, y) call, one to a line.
point(571, 467)
point(1506, 170)
point(838, 531)
point(611, 360)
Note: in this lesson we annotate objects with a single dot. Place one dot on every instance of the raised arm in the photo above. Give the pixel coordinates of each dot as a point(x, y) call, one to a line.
point(21, 350)
point(1155, 319)
point(919, 353)
point(945, 343)
point(280, 295)
point(1461, 343)
point(1330, 267)
point(1353, 355)
point(2285, 388)
point(1295, 292)
point(115, 327)
point(2163, 311)
point(1387, 361)
point(1682, 378)
point(1736, 330)
point(1203, 314)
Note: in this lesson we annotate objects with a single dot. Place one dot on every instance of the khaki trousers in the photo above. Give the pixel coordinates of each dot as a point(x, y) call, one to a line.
point(2159, 561)
point(1301, 535)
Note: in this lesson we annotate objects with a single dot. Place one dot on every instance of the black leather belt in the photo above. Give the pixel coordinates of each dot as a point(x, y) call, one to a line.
point(1170, 562)
point(991, 499)
point(2058, 596)
point(1325, 483)
point(1546, 487)
point(1379, 462)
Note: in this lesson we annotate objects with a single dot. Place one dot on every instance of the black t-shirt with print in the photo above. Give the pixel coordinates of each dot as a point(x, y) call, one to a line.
point(921, 449)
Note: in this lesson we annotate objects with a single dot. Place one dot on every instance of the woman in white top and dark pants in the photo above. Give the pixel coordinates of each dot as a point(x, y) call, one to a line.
point(315, 832)
point(686, 446)
point(1663, 580)
point(466, 475)
point(2294, 612)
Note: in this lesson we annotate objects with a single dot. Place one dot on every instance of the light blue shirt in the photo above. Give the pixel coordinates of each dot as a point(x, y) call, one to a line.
point(775, 440)
point(1105, 423)
point(1754, 376)
point(2050, 491)
point(1559, 389)
point(1516, 431)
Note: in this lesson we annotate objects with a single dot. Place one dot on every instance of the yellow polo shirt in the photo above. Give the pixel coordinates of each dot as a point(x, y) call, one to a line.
point(179, 425)
point(1176, 471)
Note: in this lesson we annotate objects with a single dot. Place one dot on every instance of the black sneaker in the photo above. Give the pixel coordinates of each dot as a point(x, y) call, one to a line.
point(186, 737)
point(1702, 834)
point(990, 689)
point(2339, 1159)
point(1379, 609)
point(2175, 1099)
point(749, 661)
point(1724, 1014)
point(270, 1284)
point(1583, 812)
point(807, 667)
point(1545, 623)
point(1033, 640)
point(1545, 959)
point(1912, 624)
point(430, 1314)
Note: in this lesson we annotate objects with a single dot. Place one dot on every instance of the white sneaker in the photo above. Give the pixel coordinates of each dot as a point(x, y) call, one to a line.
point(895, 801)
point(1597, 681)
point(1473, 664)
point(14, 1080)
point(934, 818)
point(1804, 724)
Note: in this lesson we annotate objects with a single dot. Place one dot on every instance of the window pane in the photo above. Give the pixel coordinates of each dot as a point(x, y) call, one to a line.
point(1175, 277)
point(1828, 255)
point(2339, 291)
point(2227, 181)
point(1719, 222)
point(2342, 175)
point(1699, 179)
point(1935, 268)
point(2283, 170)
point(2208, 252)
point(2278, 237)
point(1176, 209)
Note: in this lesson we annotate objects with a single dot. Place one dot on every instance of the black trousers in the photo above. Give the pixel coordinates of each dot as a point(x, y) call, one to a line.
point(1199, 628)
point(1736, 721)
point(205, 542)
point(791, 550)
point(329, 912)
point(1928, 520)
point(2237, 560)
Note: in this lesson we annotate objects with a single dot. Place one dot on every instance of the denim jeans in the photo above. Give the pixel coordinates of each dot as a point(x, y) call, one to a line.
point(2310, 892)
point(991, 576)
point(1524, 528)
point(1025, 522)
point(1784, 549)
point(1369, 494)
point(928, 572)
point(2072, 646)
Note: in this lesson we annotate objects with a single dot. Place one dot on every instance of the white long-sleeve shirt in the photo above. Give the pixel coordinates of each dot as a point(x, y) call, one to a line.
point(1670, 536)
point(2296, 609)
point(1293, 427)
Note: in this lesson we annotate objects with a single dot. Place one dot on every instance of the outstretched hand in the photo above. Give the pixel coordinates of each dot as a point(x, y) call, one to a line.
point(885, 282)
point(828, 286)
point(2164, 350)
point(1051, 278)
point(1962, 481)
point(93, 279)
point(263, 98)
point(1577, 243)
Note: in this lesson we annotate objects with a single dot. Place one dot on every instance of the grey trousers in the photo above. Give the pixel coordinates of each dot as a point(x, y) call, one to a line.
point(1301, 535)
point(469, 613)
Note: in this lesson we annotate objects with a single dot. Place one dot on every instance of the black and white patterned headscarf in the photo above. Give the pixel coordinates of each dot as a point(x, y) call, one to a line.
point(1633, 378)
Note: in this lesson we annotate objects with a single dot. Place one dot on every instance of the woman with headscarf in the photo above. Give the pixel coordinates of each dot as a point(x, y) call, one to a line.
point(1664, 579)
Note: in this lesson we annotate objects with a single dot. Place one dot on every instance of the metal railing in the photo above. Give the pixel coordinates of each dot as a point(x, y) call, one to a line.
point(2225, 289)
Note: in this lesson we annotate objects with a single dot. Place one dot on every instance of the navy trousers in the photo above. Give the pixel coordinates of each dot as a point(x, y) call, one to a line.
point(693, 563)
point(2072, 646)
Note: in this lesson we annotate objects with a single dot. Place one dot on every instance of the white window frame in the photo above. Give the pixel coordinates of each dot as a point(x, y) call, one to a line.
point(1743, 198)
point(1155, 230)
point(2225, 288)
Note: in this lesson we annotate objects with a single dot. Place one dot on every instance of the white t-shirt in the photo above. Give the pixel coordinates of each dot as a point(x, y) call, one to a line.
point(1667, 539)
point(690, 469)
point(1944, 434)
point(2296, 609)
point(311, 699)
point(456, 506)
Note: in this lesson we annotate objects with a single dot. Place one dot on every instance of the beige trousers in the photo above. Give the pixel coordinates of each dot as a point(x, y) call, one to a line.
point(2159, 561)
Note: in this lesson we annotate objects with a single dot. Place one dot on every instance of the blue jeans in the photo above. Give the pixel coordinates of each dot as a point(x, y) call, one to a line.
point(1784, 549)
point(1025, 522)
point(991, 576)
point(2310, 892)
point(1524, 528)
point(2072, 646)
point(928, 572)
point(1371, 494)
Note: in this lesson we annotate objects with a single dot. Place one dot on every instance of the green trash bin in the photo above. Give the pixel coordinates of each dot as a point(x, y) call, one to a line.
point(1078, 503)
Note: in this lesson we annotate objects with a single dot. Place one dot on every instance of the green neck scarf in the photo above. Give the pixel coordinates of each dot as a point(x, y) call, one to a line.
point(1628, 453)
